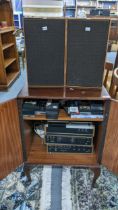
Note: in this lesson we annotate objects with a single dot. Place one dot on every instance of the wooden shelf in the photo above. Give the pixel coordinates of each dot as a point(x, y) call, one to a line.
point(6, 46)
point(70, 8)
point(9, 61)
point(11, 77)
point(62, 117)
point(6, 29)
point(38, 155)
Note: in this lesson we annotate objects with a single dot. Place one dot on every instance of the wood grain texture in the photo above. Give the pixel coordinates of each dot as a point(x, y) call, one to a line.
point(29, 137)
point(110, 153)
point(10, 139)
point(6, 13)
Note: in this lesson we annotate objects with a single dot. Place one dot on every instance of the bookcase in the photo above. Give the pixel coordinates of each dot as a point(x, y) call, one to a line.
point(9, 67)
point(35, 152)
point(98, 4)
point(87, 5)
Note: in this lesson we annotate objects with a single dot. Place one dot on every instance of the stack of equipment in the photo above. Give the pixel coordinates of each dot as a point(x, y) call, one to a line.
point(63, 137)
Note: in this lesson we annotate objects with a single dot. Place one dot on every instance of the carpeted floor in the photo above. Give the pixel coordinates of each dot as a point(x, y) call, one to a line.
point(59, 188)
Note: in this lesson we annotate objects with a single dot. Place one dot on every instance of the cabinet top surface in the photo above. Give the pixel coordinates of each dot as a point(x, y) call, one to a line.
point(61, 93)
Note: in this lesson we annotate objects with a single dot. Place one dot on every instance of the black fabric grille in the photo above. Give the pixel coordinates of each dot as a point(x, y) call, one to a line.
point(45, 39)
point(86, 51)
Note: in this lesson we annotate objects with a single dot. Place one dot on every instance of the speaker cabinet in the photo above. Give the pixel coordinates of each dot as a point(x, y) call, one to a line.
point(45, 46)
point(86, 51)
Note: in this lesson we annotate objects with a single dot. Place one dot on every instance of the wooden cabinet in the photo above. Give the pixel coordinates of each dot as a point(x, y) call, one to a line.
point(35, 152)
point(9, 67)
point(110, 153)
point(10, 138)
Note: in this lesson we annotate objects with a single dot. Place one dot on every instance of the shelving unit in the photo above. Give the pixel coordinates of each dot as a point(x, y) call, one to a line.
point(87, 5)
point(112, 5)
point(107, 4)
point(9, 68)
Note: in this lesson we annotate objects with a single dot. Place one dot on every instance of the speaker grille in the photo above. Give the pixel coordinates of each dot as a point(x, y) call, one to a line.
point(86, 51)
point(45, 51)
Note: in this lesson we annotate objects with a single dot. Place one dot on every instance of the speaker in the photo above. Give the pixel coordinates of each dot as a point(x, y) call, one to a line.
point(86, 52)
point(45, 45)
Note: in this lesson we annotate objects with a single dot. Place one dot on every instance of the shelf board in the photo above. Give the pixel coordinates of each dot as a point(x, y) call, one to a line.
point(8, 61)
point(43, 6)
point(11, 77)
point(6, 29)
point(106, 9)
point(107, 1)
point(38, 155)
point(62, 117)
point(85, 6)
point(70, 8)
point(43, 14)
point(5, 46)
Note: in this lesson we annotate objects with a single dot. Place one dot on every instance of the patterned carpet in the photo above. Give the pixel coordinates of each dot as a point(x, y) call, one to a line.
point(59, 188)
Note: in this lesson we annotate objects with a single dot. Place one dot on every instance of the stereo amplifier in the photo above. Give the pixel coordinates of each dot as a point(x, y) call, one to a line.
point(67, 139)
point(69, 149)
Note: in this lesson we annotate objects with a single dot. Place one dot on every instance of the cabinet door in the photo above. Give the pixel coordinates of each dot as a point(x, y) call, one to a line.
point(110, 153)
point(10, 139)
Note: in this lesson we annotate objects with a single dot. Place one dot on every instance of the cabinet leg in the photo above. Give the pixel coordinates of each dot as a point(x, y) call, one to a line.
point(27, 172)
point(96, 175)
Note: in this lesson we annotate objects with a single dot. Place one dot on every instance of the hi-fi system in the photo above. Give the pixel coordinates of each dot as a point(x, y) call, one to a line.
point(66, 53)
point(70, 137)
point(65, 108)
point(65, 136)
